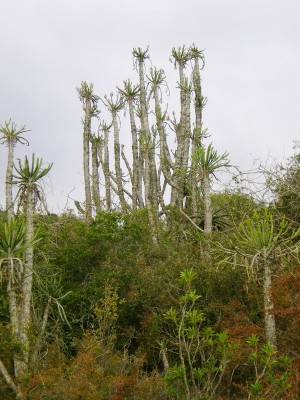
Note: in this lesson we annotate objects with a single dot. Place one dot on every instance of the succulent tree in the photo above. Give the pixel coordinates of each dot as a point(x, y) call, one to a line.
point(198, 134)
point(147, 141)
point(97, 143)
point(104, 160)
point(10, 135)
point(130, 94)
point(207, 161)
point(12, 247)
point(266, 243)
point(157, 80)
point(180, 57)
point(17, 240)
point(263, 246)
point(89, 101)
point(114, 106)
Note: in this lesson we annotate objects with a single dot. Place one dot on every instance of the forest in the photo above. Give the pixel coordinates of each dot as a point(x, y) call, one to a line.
point(157, 285)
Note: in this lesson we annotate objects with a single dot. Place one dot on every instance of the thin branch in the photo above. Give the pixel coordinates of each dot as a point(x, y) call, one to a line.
point(195, 225)
point(7, 377)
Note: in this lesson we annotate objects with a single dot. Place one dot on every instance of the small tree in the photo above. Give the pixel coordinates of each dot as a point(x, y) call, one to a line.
point(263, 244)
point(203, 354)
point(207, 161)
point(271, 373)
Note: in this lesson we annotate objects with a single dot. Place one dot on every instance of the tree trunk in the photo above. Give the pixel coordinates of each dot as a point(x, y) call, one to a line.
point(166, 162)
point(106, 172)
point(137, 195)
point(207, 203)
point(196, 139)
point(22, 362)
point(150, 172)
point(117, 154)
point(86, 160)
point(270, 326)
point(9, 177)
point(183, 139)
point(95, 174)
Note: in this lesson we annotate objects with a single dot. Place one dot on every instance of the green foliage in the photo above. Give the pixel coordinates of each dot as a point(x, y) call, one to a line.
point(261, 238)
point(106, 312)
point(12, 248)
point(208, 160)
point(234, 205)
point(258, 232)
point(10, 133)
point(203, 354)
point(271, 371)
point(27, 176)
point(12, 235)
point(85, 93)
point(283, 180)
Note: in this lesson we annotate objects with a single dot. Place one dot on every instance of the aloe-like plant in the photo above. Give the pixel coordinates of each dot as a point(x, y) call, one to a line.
point(28, 177)
point(11, 135)
point(12, 247)
point(261, 244)
point(207, 161)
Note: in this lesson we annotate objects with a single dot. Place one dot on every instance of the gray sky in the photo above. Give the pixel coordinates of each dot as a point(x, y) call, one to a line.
point(251, 78)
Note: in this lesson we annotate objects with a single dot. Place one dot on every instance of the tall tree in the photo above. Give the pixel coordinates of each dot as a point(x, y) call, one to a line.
point(97, 143)
point(89, 101)
point(11, 134)
point(104, 160)
point(148, 142)
point(17, 238)
point(181, 56)
point(130, 95)
point(198, 132)
point(157, 80)
point(114, 106)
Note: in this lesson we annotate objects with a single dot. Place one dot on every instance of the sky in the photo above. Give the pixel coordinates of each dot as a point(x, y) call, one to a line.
point(251, 77)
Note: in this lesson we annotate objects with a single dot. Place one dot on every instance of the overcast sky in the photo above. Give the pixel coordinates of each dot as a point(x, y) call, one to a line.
point(251, 78)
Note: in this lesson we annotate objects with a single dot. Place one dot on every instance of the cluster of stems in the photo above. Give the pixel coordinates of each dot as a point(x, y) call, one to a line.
point(153, 175)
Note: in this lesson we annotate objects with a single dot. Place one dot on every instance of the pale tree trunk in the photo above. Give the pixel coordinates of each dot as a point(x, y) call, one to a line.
point(21, 362)
point(183, 138)
point(154, 191)
point(117, 154)
point(145, 134)
point(8, 379)
point(207, 203)
point(126, 162)
point(150, 173)
point(95, 173)
point(166, 162)
point(184, 189)
point(196, 140)
point(86, 160)
point(270, 326)
point(105, 168)
point(137, 193)
point(9, 177)
point(14, 314)
point(42, 330)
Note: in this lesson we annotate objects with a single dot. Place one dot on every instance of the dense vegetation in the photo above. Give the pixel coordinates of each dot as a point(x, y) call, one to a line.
point(159, 288)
